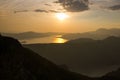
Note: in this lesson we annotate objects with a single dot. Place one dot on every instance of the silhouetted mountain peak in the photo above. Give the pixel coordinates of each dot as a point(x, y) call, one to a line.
point(29, 32)
point(81, 40)
point(114, 75)
point(19, 63)
point(102, 29)
point(99, 34)
point(7, 43)
point(112, 39)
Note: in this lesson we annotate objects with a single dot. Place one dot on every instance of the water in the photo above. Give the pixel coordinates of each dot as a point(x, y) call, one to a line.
point(50, 39)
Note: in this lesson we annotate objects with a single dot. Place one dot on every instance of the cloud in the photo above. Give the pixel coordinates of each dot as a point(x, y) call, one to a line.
point(47, 4)
point(46, 11)
point(2, 15)
point(18, 11)
point(40, 10)
point(54, 11)
point(74, 5)
point(115, 7)
point(105, 4)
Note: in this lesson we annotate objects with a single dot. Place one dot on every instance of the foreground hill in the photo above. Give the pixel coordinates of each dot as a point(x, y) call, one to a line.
point(114, 75)
point(19, 63)
point(86, 56)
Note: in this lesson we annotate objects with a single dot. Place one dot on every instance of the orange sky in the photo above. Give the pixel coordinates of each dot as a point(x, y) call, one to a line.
point(30, 20)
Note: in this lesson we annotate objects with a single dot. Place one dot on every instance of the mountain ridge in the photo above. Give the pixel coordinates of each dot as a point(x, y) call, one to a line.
point(86, 57)
point(19, 63)
point(99, 34)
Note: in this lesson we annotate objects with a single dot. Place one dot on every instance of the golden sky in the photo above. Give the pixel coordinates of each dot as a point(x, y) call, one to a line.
point(58, 16)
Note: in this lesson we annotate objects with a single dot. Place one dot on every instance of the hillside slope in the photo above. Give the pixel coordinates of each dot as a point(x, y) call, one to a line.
point(19, 63)
point(91, 57)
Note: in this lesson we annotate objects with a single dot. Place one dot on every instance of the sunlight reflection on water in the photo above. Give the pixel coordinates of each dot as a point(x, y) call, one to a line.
point(59, 40)
point(50, 39)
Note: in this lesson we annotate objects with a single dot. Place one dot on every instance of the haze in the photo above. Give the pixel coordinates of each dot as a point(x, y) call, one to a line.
point(40, 15)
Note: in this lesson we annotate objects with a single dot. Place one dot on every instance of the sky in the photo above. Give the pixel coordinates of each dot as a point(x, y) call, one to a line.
point(58, 15)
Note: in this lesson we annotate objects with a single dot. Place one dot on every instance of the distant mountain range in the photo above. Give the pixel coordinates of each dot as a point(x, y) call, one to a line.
point(28, 35)
point(98, 34)
point(83, 55)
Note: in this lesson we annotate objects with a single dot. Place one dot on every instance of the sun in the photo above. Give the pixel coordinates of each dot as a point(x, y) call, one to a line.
point(61, 16)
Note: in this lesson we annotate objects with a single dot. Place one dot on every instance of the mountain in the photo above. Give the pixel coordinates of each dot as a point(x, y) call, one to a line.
point(114, 75)
point(81, 40)
point(27, 35)
point(98, 34)
point(109, 39)
point(86, 56)
point(19, 63)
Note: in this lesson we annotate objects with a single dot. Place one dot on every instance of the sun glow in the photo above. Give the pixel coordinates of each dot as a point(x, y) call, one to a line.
point(60, 40)
point(61, 16)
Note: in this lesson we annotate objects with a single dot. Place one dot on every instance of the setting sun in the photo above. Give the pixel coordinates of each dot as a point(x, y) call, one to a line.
point(61, 16)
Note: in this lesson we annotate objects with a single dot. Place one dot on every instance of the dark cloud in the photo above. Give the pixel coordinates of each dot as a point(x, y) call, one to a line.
point(115, 7)
point(47, 4)
point(54, 11)
point(40, 10)
point(46, 11)
point(18, 11)
point(74, 5)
